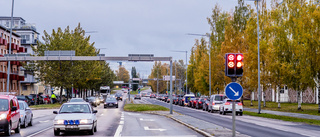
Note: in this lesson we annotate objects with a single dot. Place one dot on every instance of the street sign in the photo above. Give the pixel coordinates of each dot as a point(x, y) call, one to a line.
point(118, 82)
point(136, 79)
point(234, 91)
point(167, 78)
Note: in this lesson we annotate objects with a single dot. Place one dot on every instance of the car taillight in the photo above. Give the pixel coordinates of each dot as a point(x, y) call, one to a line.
point(213, 103)
point(25, 101)
point(200, 102)
point(227, 103)
point(240, 104)
point(182, 99)
point(32, 99)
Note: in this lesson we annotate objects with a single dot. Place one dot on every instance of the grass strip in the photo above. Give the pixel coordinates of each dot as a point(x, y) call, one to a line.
point(144, 107)
point(46, 106)
point(284, 118)
point(311, 109)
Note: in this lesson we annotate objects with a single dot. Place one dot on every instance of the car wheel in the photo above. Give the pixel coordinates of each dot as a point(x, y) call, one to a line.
point(56, 132)
point(223, 112)
point(8, 131)
point(91, 132)
point(237, 113)
point(30, 123)
point(24, 123)
point(240, 113)
point(17, 130)
point(95, 129)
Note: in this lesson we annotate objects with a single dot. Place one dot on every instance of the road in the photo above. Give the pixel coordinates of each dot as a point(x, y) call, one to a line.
point(113, 122)
point(248, 125)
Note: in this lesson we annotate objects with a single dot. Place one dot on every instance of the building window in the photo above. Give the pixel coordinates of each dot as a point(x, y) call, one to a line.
point(24, 87)
point(26, 50)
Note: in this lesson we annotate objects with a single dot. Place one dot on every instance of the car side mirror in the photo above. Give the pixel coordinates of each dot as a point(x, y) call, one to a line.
point(95, 111)
point(55, 112)
point(14, 108)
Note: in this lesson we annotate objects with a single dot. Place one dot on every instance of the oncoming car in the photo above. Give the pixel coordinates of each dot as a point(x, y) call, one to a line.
point(74, 117)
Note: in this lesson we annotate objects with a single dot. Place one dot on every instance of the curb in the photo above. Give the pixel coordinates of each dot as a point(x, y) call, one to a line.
point(179, 121)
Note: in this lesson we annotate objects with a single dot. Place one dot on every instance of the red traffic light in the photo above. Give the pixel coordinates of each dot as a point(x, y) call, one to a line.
point(239, 57)
point(231, 57)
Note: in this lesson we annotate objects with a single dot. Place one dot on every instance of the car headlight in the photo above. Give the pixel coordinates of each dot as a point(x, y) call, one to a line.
point(3, 116)
point(59, 121)
point(21, 115)
point(116, 103)
point(85, 121)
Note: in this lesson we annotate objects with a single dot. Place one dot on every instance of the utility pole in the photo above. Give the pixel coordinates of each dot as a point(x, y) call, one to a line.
point(10, 41)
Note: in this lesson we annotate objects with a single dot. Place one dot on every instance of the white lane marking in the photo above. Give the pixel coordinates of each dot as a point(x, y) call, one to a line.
point(101, 114)
point(133, 114)
point(122, 118)
point(121, 122)
point(160, 129)
point(146, 119)
point(40, 131)
point(119, 130)
point(44, 121)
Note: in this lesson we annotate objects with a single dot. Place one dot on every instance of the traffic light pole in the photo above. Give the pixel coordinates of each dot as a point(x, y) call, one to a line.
point(233, 79)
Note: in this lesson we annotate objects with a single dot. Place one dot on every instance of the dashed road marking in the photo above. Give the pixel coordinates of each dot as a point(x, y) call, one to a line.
point(40, 131)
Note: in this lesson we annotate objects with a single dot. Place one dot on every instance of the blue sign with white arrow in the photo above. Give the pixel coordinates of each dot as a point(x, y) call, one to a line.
point(234, 91)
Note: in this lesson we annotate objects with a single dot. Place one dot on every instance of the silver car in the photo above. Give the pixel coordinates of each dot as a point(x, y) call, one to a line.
point(25, 114)
point(74, 117)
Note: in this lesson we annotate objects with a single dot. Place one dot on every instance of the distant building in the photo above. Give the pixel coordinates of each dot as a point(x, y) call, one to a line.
point(16, 72)
point(29, 36)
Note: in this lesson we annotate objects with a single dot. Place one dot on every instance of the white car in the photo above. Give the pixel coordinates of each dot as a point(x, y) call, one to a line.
point(25, 114)
point(75, 116)
point(226, 107)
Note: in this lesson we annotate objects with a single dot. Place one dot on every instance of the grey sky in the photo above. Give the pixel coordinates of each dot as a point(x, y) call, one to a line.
point(125, 26)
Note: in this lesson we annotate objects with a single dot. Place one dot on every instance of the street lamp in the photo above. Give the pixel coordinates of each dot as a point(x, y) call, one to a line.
point(186, 67)
point(209, 58)
point(259, 90)
point(8, 70)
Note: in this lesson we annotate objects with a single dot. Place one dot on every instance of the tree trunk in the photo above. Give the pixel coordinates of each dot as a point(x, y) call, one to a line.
point(318, 100)
point(278, 90)
point(264, 99)
point(251, 104)
point(299, 99)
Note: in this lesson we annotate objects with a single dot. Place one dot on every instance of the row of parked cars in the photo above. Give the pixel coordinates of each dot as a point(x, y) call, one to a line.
point(216, 103)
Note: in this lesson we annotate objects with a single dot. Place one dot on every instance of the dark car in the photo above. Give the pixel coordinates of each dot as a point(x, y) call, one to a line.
point(111, 102)
point(37, 98)
point(194, 102)
point(165, 98)
point(199, 103)
point(190, 103)
point(137, 96)
point(46, 99)
point(93, 101)
point(118, 96)
point(152, 96)
point(25, 99)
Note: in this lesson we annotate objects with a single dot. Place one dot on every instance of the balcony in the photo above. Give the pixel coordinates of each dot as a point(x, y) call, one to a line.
point(13, 46)
point(21, 49)
point(1, 41)
point(3, 75)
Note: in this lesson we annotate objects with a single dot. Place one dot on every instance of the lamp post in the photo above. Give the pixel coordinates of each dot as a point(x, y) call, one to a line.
point(10, 39)
point(186, 67)
point(259, 90)
point(209, 36)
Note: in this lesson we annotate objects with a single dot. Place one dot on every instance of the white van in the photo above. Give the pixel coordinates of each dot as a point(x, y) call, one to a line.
point(187, 98)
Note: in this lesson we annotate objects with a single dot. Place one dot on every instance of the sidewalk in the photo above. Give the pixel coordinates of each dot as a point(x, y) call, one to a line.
point(297, 115)
point(205, 128)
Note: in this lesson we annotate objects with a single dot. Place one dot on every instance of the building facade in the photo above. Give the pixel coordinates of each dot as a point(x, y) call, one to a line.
point(29, 37)
point(16, 72)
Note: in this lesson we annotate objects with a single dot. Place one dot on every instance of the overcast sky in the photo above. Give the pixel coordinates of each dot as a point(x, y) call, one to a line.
point(125, 26)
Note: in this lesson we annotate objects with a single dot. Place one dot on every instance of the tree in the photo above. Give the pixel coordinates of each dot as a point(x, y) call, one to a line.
point(123, 74)
point(134, 75)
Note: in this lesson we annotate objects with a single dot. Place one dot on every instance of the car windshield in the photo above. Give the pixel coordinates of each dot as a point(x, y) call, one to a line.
point(4, 105)
point(111, 99)
point(75, 108)
point(21, 97)
point(21, 105)
point(219, 98)
point(76, 100)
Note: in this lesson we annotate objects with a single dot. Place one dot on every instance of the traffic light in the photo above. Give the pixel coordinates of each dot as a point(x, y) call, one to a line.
point(234, 64)
point(230, 64)
point(239, 65)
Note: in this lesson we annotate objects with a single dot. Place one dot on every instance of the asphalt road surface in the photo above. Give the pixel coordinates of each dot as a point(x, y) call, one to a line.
point(248, 125)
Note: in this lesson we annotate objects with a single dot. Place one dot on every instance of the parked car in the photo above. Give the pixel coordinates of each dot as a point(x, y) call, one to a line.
point(206, 105)
point(190, 103)
point(35, 97)
point(75, 116)
point(187, 98)
point(111, 102)
point(9, 114)
point(226, 107)
point(194, 102)
point(46, 99)
point(199, 103)
point(25, 114)
point(77, 100)
point(94, 101)
point(152, 96)
point(25, 99)
point(137, 96)
point(215, 102)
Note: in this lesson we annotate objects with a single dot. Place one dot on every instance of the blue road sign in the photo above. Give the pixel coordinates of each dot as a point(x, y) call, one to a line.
point(234, 91)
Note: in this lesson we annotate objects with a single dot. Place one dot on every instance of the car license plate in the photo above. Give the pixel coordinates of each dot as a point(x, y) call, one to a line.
point(110, 105)
point(72, 127)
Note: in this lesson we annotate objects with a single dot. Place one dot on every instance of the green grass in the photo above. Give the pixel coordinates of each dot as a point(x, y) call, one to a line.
point(46, 106)
point(134, 92)
point(144, 88)
point(311, 109)
point(144, 107)
point(284, 118)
